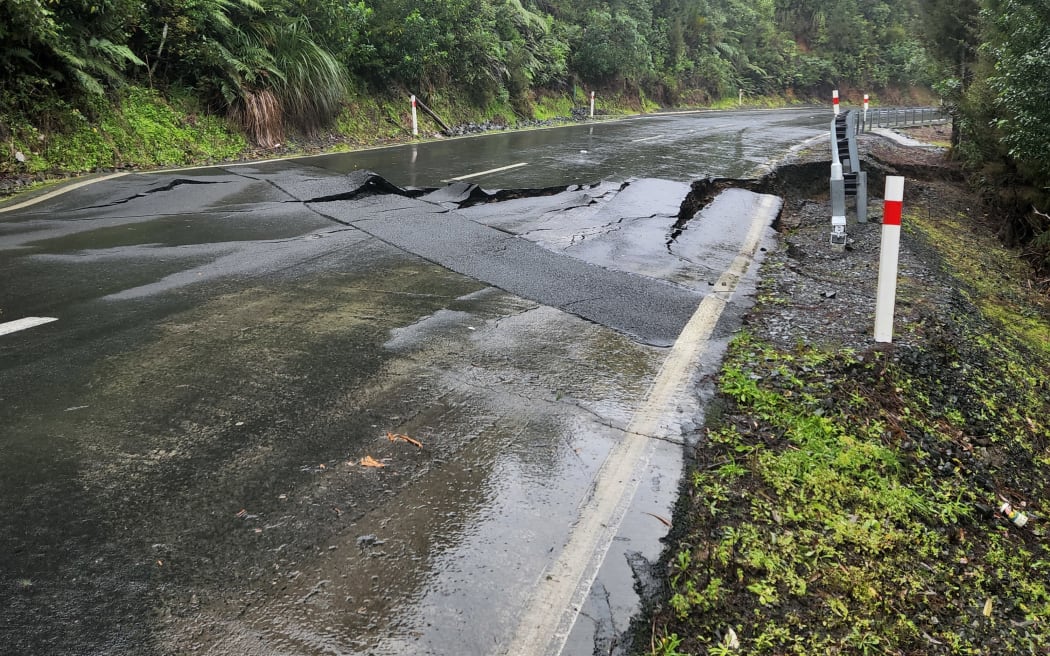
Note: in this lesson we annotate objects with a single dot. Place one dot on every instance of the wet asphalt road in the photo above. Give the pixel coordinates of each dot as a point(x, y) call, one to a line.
point(180, 457)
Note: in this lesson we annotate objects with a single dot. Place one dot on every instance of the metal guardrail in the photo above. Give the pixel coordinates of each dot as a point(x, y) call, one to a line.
point(903, 117)
point(847, 178)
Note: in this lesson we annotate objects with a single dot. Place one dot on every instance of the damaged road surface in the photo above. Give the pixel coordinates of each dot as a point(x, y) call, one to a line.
point(280, 409)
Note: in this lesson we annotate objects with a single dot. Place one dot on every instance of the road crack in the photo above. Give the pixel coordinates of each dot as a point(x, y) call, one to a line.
point(177, 182)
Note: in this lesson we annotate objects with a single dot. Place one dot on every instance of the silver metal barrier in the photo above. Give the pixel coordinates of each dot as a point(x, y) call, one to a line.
point(847, 178)
point(904, 117)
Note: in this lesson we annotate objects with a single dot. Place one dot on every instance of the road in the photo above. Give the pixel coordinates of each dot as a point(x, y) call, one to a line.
point(189, 443)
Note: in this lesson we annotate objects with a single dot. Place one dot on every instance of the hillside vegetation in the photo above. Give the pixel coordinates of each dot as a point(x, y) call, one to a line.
point(279, 66)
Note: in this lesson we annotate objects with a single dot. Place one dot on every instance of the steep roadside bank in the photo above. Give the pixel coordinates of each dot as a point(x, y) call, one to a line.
point(845, 497)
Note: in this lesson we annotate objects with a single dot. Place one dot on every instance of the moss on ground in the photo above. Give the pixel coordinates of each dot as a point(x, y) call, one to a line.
point(995, 278)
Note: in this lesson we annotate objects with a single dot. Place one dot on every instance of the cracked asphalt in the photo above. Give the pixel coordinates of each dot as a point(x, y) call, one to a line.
point(182, 449)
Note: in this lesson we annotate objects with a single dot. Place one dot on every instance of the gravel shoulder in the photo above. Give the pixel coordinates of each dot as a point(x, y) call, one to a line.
point(847, 497)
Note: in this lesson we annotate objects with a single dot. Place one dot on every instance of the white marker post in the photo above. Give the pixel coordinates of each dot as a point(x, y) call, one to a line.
point(865, 109)
point(592, 104)
point(835, 101)
point(889, 253)
point(415, 119)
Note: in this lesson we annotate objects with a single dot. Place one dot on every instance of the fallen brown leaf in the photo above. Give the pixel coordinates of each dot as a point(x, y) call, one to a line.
point(369, 461)
point(394, 437)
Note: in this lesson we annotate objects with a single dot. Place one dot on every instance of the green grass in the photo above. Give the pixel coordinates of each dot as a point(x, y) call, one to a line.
point(139, 129)
point(368, 119)
point(750, 102)
point(1001, 281)
point(548, 107)
point(837, 528)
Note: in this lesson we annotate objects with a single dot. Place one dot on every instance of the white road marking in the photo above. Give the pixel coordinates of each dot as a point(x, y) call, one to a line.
point(59, 192)
point(659, 136)
point(481, 173)
point(22, 324)
point(562, 589)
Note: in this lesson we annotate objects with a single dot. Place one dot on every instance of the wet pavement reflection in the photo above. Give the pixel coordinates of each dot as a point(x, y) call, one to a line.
point(682, 147)
point(201, 455)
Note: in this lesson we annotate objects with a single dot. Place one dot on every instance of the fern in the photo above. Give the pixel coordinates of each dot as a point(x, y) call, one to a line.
point(114, 52)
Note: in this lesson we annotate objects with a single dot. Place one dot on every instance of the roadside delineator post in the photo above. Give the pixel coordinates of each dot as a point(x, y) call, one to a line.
point(888, 255)
point(592, 104)
point(415, 118)
point(835, 101)
point(838, 207)
point(864, 123)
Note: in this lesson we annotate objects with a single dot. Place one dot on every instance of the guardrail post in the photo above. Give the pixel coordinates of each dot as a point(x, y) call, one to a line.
point(862, 196)
point(838, 207)
point(851, 130)
point(838, 237)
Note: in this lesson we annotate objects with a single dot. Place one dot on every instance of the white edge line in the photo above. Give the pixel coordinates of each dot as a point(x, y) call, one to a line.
point(481, 173)
point(659, 136)
point(59, 192)
point(562, 587)
point(23, 324)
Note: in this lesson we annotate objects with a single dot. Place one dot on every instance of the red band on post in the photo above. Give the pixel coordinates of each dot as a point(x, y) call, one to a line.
point(891, 214)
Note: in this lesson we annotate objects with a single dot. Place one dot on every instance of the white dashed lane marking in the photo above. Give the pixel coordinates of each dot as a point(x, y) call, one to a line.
point(481, 173)
point(22, 324)
point(658, 136)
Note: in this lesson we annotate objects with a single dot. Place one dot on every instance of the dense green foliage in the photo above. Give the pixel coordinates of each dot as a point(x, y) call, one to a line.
point(994, 61)
point(280, 63)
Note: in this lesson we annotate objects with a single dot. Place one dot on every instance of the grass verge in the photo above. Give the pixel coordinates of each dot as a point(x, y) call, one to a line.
point(848, 501)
